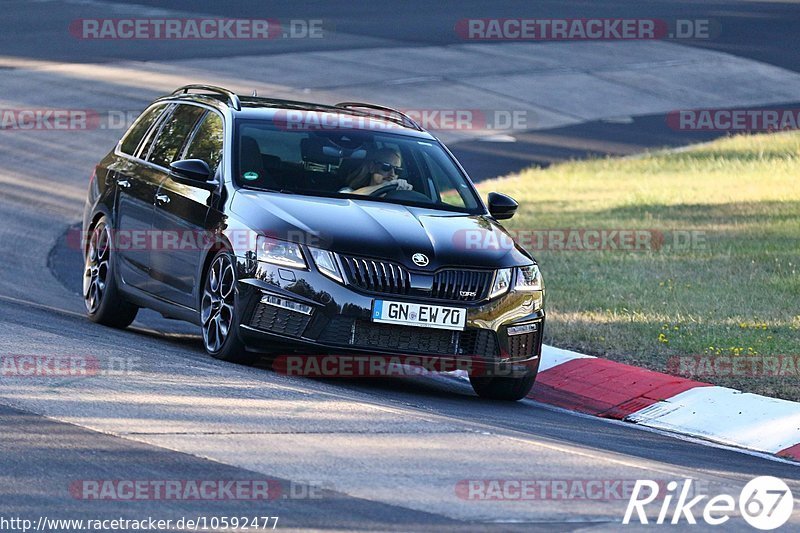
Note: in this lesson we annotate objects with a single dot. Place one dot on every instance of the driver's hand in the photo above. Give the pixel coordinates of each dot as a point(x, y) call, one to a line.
point(403, 185)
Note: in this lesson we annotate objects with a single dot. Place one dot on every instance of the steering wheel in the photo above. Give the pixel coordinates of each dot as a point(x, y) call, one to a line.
point(389, 187)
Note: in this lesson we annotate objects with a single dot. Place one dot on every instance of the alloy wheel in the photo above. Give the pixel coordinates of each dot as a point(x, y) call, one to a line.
point(216, 311)
point(96, 270)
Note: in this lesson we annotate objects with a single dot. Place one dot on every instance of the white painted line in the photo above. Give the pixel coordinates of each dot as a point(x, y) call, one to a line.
point(499, 139)
point(672, 434)
point(552, 356)
point(727, 416)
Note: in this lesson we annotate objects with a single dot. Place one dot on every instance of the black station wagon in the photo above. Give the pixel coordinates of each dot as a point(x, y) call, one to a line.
point(284, 227)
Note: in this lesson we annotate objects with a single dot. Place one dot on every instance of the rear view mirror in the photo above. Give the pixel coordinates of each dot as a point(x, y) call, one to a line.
point(501, 206)
point(194, 172)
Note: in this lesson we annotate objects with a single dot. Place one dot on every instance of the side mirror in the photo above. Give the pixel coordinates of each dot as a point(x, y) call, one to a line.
point(193, 172)
point(501, 206)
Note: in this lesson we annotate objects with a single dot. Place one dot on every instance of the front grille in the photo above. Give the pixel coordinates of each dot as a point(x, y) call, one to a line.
point(385, 277)
point(278, 320)
point(479, 342)
point(405, 338)
point(464, 285)
point(376, 276)
point(409, 339)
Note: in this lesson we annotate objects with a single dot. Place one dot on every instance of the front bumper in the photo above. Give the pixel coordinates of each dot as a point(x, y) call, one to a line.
point(306, 311)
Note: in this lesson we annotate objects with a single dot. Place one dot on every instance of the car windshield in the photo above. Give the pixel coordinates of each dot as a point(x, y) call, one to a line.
point(351, 164)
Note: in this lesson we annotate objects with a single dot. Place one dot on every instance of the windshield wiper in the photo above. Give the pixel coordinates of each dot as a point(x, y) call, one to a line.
point(265, 189)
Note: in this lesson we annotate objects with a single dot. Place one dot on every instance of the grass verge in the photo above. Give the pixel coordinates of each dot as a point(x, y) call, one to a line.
point(715, 292)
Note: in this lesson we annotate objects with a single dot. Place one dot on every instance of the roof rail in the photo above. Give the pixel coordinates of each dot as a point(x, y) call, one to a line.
point(233, 100)
point(394, 115)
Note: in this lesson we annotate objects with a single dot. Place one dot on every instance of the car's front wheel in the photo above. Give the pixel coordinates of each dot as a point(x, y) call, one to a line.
point(218, 313)
point(503, 388)
point(104, 303)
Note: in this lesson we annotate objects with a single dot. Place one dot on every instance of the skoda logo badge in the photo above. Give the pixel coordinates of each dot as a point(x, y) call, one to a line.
point(420, 259)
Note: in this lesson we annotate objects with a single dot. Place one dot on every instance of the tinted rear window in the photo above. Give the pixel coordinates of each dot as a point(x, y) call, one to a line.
point(173, 134)
point(139, 128)
point(207, 142)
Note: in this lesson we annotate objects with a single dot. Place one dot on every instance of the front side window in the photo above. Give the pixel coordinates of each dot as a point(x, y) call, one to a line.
point(353, 164)
point(173, 134)
point(207, 142)
point(136, 133)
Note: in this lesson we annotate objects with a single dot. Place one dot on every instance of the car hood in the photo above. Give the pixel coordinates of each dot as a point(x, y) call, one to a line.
point(380, 230)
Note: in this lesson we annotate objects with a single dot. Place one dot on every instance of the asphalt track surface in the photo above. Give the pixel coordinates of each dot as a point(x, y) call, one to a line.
point(388, 454)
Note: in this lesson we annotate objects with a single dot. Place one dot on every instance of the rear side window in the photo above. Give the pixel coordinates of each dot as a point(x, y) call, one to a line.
point(207, 142)
point(173, 134)
point(135, 135)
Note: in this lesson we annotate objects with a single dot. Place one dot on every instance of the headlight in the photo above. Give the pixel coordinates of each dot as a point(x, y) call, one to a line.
point(529, 279)
point(278, 252)
point(326, 263)
point(502, 280)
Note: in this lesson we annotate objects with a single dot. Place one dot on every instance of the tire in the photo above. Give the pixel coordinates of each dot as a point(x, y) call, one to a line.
point(503, 388)
point(219, 318)
point(104, 302)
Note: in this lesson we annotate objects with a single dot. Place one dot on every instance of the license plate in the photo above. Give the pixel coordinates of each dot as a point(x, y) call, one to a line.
point(420, 315)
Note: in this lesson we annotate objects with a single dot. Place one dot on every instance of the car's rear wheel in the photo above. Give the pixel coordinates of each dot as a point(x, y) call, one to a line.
point(104, 303)
point(503, 388)
point(218, 313)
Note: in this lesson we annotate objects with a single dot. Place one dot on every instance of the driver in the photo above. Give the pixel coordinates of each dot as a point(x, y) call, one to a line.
point(380, 168)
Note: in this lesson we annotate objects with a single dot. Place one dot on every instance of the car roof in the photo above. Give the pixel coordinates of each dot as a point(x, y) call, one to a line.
point(301, 115)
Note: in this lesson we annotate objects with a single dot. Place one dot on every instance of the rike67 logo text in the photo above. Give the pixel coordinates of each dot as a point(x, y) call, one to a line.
point(765, 503)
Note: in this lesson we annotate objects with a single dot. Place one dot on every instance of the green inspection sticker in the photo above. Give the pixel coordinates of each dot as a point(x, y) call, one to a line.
point(251, 176)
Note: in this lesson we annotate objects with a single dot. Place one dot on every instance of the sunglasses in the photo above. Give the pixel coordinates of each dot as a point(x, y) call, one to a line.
point(386, 167)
